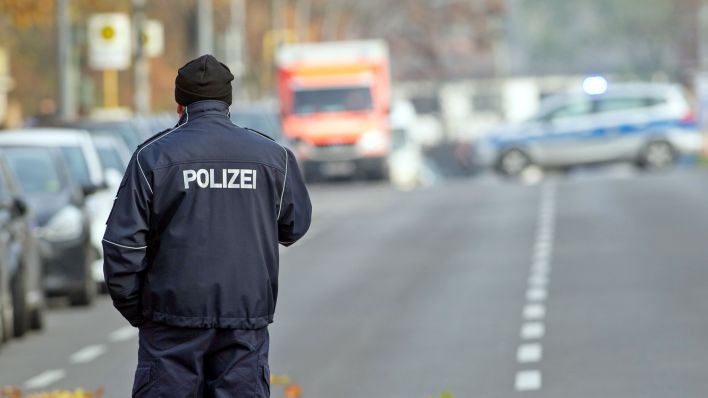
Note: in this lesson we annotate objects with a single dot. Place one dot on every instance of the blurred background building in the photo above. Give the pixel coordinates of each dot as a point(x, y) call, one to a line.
point(432, 41)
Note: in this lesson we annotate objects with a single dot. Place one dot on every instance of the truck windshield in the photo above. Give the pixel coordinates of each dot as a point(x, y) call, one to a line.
point(338, 99)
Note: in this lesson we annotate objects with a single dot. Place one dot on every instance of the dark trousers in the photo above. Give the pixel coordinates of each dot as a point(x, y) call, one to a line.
point(178, 362)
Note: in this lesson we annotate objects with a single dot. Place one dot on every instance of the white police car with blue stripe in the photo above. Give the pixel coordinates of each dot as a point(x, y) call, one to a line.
point(651, 125)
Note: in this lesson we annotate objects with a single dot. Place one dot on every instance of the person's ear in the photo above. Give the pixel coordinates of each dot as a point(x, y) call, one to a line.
point(180, 109)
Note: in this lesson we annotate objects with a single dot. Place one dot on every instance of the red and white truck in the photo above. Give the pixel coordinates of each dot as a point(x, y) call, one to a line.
point(335, 100)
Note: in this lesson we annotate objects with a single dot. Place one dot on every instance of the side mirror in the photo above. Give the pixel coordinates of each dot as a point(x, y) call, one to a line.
point(113, 178)
point(20, 205)
point(92, 189)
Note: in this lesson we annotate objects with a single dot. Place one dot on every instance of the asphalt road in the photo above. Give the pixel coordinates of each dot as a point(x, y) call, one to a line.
point(590, 286)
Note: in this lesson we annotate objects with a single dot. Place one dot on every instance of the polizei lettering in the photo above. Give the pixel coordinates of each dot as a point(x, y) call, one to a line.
point(220, 179)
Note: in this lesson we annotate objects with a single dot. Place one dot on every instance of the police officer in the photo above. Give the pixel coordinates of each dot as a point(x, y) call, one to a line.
point(191, 245)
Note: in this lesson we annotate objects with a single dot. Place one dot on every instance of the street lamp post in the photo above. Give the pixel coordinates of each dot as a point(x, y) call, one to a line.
point(236, 46)
point(205, 27)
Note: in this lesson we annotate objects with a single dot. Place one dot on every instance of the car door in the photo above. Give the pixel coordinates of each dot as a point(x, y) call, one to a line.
point(622, 120)
point(567, 134)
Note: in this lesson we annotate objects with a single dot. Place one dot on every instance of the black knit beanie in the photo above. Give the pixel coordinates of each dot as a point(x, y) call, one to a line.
point(204, 78)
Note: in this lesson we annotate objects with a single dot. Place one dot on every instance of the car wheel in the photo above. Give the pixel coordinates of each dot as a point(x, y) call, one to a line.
point(380, 173)
point(85, 295)
point(3, 338)
point(658, 155)
point(6, 313)
point(19, 304)
point(36, 319)
point(513, 162)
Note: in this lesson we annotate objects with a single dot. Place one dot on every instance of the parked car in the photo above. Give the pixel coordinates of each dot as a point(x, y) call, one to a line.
point(81, 155)
point(651, 125)
point(263, 117)
point(59, 220)
point(22, 305)
point(112, 152)
point(131, 135)
point(114, 157)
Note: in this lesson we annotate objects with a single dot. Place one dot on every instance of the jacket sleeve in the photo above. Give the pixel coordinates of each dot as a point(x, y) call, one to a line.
point(295, 211)
point(125, 242)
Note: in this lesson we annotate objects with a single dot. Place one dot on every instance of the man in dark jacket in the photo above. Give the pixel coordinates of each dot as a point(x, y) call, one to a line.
point(191, 245)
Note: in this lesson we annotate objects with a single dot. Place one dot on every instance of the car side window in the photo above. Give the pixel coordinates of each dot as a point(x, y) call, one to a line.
point(571, 110)
point(76, 161)
point(4, 186)
point(621, 104)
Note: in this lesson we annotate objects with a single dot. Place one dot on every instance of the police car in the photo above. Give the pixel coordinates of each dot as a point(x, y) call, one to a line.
point(651, 125)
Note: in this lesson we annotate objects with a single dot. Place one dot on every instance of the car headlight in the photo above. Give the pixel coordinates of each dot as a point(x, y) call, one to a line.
point(98, 229)
point(302, 148)
point(67, 224)
point(373, 142)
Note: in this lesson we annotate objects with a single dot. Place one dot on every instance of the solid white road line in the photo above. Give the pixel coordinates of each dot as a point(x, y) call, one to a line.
point(528, 380)
point(533, 312)
point(533, 330)
point(530, 352)
point(123, 334)
point(44, 379)
point(87, 354)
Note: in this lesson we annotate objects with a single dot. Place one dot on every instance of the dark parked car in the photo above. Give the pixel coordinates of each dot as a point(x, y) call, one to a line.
point(22, 303)
point(131, 134)
point(263, 117)
point(60, 221)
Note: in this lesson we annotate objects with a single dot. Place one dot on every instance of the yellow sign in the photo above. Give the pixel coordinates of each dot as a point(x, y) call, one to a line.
point(108, 33)
point(109, 41)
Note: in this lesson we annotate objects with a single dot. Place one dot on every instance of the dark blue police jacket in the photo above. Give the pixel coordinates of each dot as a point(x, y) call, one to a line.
point(192, 239)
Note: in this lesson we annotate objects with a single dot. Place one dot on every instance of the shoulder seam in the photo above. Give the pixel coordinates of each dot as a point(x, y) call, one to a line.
point(256, 132)
point(137, 155)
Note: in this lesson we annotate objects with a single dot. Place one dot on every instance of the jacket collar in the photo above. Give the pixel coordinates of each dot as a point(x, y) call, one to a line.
point(198, 109)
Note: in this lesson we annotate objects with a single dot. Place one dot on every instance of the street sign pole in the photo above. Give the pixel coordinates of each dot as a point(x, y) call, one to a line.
point(110, 88)
point(110, 42)
point(141, 98)
point(66, 95)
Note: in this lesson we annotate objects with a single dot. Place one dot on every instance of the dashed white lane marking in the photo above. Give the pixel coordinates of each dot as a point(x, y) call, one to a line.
point(536, 294)
point(533, 330)
point(87, 354)
point(123, 334)
point(528, 353)
point(538, 280)
point(533, 312)
point(84, 355)
point(45, 379)
point(528, 380)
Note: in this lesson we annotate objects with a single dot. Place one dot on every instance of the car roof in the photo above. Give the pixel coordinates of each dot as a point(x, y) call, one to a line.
point(614, 90)
point(254, 107)
point(43, 136)
point(639, 89)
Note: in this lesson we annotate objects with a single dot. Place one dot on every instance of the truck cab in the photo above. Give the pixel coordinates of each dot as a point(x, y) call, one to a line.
point(335, 100)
